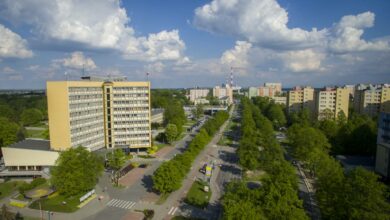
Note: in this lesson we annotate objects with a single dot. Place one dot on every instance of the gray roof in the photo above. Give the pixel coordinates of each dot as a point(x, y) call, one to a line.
point(157, 111)
point(32, 144)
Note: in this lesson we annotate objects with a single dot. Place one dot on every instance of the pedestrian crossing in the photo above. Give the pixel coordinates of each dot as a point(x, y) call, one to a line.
point(122, 204)
point(172, 210)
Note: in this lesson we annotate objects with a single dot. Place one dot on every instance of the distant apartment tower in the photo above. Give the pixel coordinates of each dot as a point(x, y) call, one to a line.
point(331, 101)
point(300, 98)
point(223, 93)
point(277, 87)
point(265, 91)
point(253, 92)
point(372, 99)
point(196, 95)
point(97, 114)
point(382, 160)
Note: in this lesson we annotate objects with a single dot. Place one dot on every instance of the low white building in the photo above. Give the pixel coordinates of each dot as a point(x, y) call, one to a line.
point(28, 158)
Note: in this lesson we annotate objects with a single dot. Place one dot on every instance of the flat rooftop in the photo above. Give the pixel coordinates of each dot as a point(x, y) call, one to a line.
point(157, 111)
point(32, 144)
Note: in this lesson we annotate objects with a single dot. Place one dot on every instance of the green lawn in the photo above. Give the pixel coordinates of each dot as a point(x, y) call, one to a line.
point(56, 203)
point(35, 133)
point(197, 196)
point(8, 187)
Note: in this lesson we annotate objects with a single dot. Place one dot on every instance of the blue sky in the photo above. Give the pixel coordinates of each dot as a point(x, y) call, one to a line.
point(195, 43)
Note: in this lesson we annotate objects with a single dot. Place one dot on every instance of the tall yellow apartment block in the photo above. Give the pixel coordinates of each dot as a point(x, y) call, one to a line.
point(98, 114)
point(300, 98)
point(331, 101)
point(372, 99)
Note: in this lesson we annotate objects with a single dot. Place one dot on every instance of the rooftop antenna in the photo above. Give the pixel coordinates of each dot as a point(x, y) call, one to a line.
point(231, 77)
point(83, 69)
point(66, 75)
point(147, 76)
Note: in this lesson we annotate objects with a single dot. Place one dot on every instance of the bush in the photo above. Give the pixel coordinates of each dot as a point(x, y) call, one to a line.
point(38, 181)
point(148, 214)
point(26, 187)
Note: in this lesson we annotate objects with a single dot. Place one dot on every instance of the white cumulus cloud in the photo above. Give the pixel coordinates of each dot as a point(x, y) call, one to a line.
point(303, 60)
point(77, 60)
point(94, 23)
point(348, 34)
point(12, 45)
point(238, 56)
point(259, 21)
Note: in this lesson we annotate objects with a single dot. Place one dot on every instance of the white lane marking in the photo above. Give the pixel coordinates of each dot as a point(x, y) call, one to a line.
point(111, 201)
point(132, 205)
point(119, 204)
point(171, 210)
point(123, 205)
point(128, 203)
point(115, 203)
point(173, 213)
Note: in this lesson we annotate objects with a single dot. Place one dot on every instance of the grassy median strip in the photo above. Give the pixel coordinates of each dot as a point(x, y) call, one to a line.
point(197, 196)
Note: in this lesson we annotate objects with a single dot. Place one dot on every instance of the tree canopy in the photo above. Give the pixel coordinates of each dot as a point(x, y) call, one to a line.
point(8, 132)
point(171, 133)
point(31, 116)
point(77, 170)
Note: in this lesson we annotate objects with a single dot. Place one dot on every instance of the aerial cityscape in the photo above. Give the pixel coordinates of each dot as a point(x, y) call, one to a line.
point(198, 110)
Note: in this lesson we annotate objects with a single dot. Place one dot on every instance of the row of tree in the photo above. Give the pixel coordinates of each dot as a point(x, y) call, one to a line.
point(353, 136)
point(277, 196)
point(169, 176)
point(355, 194)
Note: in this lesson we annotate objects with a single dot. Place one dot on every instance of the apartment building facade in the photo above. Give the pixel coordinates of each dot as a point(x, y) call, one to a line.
point(382, 159)
point(277, 87)
point(300, 98)
point(224, 93)
point(372, 99)
point(330, 102)
point(97, 114)
point(195, 94)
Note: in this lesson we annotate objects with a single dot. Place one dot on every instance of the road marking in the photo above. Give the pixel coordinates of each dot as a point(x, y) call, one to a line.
point(111, 201)
point(173, 213)
point(171, 210)
point(132, 205)
point(122, 204)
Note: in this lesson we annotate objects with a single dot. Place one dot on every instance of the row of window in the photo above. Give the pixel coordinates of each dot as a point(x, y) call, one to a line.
point(84, 89)
point(129, 102)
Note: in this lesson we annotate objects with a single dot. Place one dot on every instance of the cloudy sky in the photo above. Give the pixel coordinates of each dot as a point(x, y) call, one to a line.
point(195, 42)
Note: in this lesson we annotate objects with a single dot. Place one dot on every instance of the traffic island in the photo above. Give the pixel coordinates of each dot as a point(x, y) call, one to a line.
point(199, 195)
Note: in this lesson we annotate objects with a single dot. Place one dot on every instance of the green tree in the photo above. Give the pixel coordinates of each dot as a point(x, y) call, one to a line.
point(7, 112)
point(305, 139)
point(198, 111)
point(77, 170)
point(171, 133)
point(174, 114)
point(276, 115)
point(31, 116)
point(8, 132)
point(116, 159)
point(365, 195)
point(167, 178)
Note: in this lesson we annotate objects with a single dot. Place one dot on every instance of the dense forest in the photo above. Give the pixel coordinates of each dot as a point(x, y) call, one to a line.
point(18, 111)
